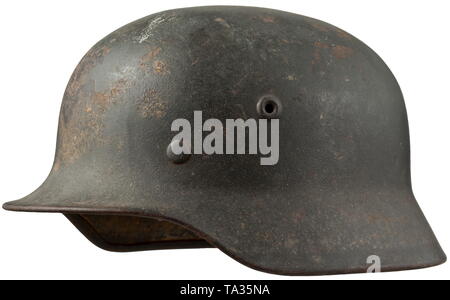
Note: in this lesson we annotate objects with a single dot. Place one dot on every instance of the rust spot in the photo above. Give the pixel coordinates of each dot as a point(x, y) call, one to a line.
point(105, 50)
point(151, 105)
point(341, 52)
point(342, 34)
point(160, 67)
point(316, 54)
point(103, 99)
point(321, 45)
point(320, 26)
point(379, 219)
point(75, 84)
point(268, 19)
point(326, 28)
point(338, 51)
point(118, 88)
point(149, 57)
point(298, 216)
point(79, 134)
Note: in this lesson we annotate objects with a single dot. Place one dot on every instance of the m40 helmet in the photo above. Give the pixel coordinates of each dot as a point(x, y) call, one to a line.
point(336, 193)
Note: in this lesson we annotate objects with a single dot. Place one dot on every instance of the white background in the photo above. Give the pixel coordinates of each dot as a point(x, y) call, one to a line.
point(41, 42)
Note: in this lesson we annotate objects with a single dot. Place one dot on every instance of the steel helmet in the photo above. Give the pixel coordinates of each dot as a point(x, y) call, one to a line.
point(339, 192)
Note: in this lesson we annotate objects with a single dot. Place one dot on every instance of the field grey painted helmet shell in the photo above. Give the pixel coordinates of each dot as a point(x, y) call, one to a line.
point(340, 192)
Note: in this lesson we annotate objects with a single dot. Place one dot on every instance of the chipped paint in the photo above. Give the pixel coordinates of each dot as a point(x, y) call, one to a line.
point(291, 77)
point(150, 28)
point(222, 22)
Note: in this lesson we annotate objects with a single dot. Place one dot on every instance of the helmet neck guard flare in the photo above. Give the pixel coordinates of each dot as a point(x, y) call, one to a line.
point(339, 193)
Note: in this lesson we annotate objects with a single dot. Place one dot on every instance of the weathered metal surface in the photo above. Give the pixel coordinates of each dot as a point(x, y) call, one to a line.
point(340, 192)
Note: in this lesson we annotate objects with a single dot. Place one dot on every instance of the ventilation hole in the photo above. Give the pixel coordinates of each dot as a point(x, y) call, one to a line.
point(269, 107)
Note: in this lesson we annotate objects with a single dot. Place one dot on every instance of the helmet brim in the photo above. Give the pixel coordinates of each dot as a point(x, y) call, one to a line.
point(303, 239)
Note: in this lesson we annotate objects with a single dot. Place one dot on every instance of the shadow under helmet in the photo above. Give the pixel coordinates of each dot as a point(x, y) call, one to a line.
point(339, 193)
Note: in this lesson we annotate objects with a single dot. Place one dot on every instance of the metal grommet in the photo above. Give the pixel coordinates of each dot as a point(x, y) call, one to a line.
point(176, 158)
point(269, 107)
